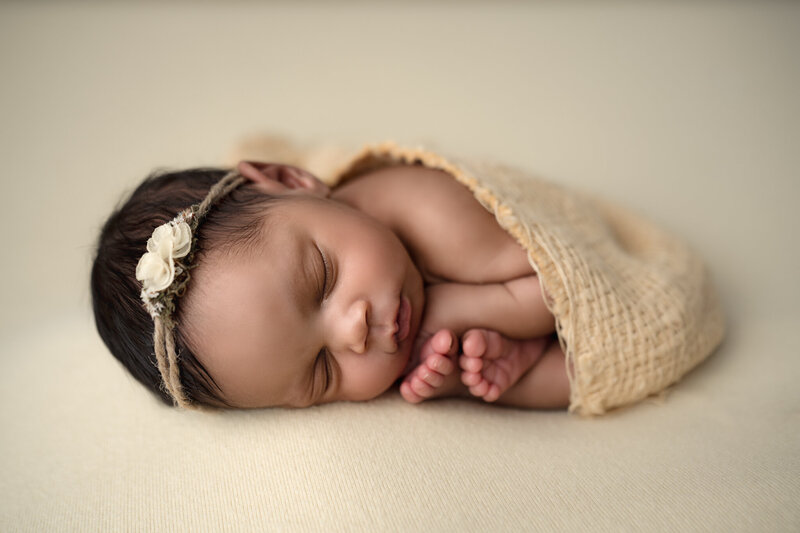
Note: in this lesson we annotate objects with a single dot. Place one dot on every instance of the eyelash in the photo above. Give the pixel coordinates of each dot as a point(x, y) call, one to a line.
point(326, 268)
point(323, 353)
point(327, 380)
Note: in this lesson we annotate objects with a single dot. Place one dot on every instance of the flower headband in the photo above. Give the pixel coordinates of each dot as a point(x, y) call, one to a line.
point(164, 273)
point(158, 267)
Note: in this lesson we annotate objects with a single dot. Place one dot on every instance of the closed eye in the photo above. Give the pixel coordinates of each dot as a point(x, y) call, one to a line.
point(323, 363)
point(326, 269)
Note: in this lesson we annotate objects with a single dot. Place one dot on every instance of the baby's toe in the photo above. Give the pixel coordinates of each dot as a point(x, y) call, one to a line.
point(470, 364)
point(440, 363)
point(480, 389)
point(474, 343)
point(470, 379)
point(444, 342)
point(431, 377)
point(408, 393)
point(421, 388)
point(492, 394)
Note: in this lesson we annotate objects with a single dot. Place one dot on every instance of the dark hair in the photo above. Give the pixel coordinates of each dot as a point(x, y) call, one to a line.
point(233, 225)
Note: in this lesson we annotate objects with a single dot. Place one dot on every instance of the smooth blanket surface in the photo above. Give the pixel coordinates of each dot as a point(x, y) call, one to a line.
point(635, 307)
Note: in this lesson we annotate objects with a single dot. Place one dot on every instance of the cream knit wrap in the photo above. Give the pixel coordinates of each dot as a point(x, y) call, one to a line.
point(634, 306)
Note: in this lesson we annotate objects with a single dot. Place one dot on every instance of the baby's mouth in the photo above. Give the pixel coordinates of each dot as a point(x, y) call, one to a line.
point(403, 320)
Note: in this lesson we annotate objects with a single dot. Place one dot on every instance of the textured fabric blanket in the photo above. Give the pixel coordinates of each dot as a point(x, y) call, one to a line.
point(634, 306)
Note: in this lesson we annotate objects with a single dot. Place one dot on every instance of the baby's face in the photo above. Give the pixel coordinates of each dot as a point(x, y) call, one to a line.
point(327, 309)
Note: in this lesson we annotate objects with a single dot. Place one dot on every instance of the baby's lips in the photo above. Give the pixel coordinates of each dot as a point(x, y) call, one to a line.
point(403, 320)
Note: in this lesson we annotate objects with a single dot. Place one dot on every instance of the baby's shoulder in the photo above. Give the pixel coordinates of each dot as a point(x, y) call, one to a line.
point(448, 232)
point(407, 196)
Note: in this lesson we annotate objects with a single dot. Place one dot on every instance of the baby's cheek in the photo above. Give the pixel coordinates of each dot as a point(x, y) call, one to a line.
point(363, 380)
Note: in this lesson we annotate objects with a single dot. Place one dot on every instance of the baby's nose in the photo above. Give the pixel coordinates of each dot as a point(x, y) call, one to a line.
point(357, 327)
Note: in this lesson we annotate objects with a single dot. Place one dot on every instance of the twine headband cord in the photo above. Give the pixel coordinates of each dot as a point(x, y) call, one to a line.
point(164, 273)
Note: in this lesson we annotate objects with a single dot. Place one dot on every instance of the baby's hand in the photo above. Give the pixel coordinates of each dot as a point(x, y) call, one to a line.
point(434, 375)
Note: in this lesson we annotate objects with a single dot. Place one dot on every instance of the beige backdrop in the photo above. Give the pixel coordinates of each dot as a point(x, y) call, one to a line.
point(686, 111)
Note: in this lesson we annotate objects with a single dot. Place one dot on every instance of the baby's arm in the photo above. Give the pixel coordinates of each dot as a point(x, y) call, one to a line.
point(515, 308)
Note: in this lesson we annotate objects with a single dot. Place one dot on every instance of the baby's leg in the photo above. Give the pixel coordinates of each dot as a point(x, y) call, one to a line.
point(492, 363)
point(435, 375)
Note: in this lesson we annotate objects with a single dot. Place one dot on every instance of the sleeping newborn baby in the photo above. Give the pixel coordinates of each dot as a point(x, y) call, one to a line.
point(263, 286)
point(345, 291)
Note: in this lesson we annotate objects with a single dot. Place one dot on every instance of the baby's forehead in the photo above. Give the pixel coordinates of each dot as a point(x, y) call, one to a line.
point(294, 219)
point(278, 238)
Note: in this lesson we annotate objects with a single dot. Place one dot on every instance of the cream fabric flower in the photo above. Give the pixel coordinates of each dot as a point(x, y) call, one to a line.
point(156, 268)
point(179, 234)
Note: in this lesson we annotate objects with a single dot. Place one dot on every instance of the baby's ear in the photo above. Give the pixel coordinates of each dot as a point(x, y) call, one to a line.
point(275, 178)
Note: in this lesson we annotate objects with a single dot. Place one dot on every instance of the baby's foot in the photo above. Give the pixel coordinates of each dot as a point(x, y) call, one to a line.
point(434, 375)
point(492, 363)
